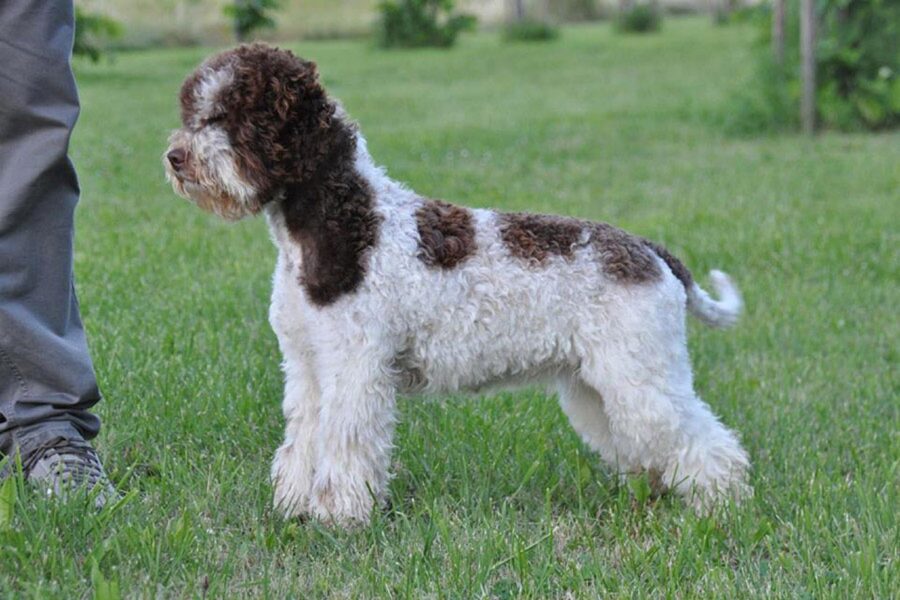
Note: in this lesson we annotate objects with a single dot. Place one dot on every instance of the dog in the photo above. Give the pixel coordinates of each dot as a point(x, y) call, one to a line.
point(379, 291)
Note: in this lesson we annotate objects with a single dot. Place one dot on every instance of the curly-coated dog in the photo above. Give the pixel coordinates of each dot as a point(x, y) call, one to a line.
point(378, 290)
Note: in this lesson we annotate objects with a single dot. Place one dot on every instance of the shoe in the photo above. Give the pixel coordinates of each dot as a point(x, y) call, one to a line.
point(62, 466)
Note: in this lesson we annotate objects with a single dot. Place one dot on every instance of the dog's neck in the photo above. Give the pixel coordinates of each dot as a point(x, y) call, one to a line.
point(328, 224)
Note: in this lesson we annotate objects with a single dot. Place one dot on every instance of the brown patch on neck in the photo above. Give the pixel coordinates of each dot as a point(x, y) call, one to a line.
point(446, 234)
point(331, 216)
point(623, 257)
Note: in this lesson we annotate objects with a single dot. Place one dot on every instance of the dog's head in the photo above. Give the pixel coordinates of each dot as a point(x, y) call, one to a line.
point(255, 120)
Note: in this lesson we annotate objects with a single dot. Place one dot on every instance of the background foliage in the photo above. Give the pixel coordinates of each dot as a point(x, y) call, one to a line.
point(859, 63)
point(248, 16)
point(93, 32)
point(416, 23)
point(530, 30)
point(192, 22)
point(857, 68)
point(642, 16)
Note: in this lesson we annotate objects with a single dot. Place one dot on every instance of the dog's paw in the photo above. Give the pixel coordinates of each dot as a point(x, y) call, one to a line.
point(343, 501)
point(292, 478)
point(730, 485)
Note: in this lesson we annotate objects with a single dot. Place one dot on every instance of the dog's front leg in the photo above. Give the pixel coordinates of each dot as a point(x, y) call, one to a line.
point(293, 467)
point(354, 436)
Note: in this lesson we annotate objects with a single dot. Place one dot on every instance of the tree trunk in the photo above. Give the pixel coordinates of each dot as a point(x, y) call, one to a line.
point(808, 65)
point(778, 31)
point(518, 10)
point(238, 30)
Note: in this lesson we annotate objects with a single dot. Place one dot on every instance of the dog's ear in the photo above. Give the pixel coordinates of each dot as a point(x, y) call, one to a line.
point(310, 131)
point(275, 81)
point(280, 118)
point(299, 88)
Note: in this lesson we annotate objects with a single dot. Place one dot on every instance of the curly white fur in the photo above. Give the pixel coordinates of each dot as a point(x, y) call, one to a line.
point(615, 353)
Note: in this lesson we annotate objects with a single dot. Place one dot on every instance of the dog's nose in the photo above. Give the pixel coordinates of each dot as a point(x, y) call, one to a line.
point(176, 158)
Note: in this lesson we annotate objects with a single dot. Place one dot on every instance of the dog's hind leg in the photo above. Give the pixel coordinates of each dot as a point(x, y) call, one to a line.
point(710, 463)
point(659, 424)
point(355, 431)
point(638, 362)
point(292, 469)
point(583, 406)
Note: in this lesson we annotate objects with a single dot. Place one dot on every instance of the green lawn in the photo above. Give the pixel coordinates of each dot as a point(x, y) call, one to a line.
point(493, 497)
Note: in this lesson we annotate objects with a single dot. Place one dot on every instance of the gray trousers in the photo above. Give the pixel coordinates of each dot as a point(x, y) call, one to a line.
point(47, 382)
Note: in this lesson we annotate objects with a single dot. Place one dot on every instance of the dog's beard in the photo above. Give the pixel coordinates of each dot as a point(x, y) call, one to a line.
point(209, 198)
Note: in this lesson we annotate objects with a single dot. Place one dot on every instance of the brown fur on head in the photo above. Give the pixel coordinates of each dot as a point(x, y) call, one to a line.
point(255, 121)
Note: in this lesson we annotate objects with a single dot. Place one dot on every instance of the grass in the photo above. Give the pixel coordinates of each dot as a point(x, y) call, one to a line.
point(493, 497)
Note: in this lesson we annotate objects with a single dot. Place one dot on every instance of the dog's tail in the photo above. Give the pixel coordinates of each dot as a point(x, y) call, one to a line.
point(723, 312)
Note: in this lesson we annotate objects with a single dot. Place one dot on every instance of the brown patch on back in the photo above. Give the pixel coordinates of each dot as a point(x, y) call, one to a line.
point(537, 237)
point(624, 257)
point(678, 269)
point(446, 234)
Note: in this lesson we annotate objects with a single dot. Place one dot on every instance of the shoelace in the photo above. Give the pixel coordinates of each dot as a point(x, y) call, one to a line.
point(76, 461)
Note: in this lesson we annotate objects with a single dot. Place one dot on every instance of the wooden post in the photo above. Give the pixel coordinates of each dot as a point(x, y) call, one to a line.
point(519, 9)
point(808, 65)
point(238, 31)
point(778, 31)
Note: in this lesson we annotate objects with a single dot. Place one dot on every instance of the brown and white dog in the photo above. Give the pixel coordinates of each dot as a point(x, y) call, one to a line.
point(378, 290)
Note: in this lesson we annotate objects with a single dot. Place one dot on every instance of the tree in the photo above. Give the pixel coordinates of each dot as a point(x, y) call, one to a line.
point(518, 9)
point(92, 31)
point(250, 15)
point(778, 31)
point(808, 65)
point(418, 23)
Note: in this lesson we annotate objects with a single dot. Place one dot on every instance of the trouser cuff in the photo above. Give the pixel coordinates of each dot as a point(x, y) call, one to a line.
point(27, 438)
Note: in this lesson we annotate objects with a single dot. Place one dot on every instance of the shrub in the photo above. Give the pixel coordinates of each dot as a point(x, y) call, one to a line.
point(857, 64)
point(767, 102)
point(92, 33)
point(723, 11)
point(640, 17)
point(248, 16)
point(417, 23)
point(529, 30)
point(857, 67)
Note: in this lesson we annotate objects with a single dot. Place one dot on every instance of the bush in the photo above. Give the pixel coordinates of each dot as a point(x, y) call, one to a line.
point(723, 11)
point(529, 30)
point(767, 102)
point(92, 33)
point(248, 16)
point(857, 64)
point(857, 67)
point(641, 17)
point(417, 23)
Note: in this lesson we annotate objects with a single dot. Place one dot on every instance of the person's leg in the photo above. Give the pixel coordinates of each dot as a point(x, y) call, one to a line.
point(47, 382)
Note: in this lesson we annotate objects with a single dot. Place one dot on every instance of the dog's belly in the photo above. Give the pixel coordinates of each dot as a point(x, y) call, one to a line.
point(494, 322)
point(473, 355)
point(437, 380)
